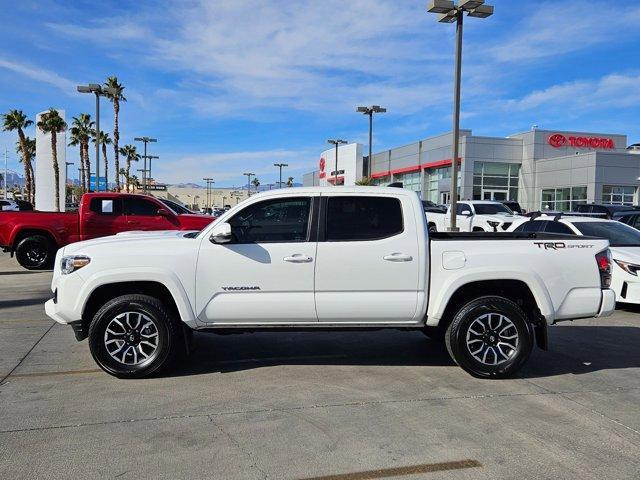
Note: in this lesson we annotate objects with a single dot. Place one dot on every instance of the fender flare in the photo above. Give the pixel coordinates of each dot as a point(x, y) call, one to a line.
point(139, 274)
point(438, 304)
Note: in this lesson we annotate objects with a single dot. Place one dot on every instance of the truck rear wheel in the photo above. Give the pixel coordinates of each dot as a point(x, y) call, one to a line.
point(133, 336)
point(490, 337)
point(35, 252)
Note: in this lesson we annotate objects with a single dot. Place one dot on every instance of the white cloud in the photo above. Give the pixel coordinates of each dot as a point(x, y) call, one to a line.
point(40, 75)
point(557, 28)
point(225, 166)
point(615, 90)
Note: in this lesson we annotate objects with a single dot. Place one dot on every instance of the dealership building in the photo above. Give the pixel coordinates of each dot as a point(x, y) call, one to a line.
point(541, 169)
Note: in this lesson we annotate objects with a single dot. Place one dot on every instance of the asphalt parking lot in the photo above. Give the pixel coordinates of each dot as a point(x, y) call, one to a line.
point(339, 406)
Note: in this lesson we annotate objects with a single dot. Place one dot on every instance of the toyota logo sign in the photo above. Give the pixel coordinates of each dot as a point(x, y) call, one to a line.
point(323, 164)
point(557, 140)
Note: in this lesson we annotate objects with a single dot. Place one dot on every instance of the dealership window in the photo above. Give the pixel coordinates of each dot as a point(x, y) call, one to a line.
point(495, 181)
point(410, 181)
point(618, 194)
point(563, 199)
point(381, 180)
point(434, 175)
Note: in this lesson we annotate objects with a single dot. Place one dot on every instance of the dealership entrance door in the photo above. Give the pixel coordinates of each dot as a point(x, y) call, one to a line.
point(497, 195)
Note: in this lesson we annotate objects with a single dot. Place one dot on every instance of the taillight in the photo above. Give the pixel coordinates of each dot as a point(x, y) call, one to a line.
point(603, 259)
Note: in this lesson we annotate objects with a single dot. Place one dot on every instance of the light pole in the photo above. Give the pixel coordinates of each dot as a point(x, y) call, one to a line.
point(99, 91)
point(249, 174)
point(209, 181)
point(449, 12)
point(151, 157)
point(66, 170)
point(370, 111)
point(336, 142)
point(280, 165)
point(144, 172)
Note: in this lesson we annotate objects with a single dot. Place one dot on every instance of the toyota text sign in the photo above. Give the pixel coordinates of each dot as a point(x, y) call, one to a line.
point(558, 140)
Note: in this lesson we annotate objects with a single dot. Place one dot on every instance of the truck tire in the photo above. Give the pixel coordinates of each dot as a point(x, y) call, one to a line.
point(133, 336)
point(490, 337)
point(35, 252)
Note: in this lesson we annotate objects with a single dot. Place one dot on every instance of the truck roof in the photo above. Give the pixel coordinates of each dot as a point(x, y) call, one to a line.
point(356, 189)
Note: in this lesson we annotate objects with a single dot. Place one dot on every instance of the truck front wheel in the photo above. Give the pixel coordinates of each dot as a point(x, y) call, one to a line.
point(133, 336)
point(35, 252)
point(490, 337)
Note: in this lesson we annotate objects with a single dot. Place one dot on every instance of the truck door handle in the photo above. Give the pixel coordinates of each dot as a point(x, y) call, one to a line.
point(298, 258)
point(398, 257)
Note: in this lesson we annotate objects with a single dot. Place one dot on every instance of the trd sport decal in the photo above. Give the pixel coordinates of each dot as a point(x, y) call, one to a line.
point(239, 289)
point(561, 245)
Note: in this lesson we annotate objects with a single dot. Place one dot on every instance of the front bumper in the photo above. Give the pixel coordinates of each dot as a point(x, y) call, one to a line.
point(608, 304)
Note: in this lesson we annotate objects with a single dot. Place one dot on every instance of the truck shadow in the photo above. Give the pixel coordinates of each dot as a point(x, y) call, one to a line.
point(573, 350)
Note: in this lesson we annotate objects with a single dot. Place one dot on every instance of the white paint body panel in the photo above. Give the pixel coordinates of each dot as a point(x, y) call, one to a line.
point(344, 283)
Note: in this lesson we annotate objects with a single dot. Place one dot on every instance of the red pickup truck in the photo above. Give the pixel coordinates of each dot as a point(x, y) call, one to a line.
point(34, 237)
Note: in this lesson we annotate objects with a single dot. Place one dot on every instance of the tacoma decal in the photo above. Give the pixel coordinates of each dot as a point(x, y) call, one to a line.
point(239, 289)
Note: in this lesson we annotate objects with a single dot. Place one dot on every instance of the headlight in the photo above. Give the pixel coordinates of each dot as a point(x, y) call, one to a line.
point(630, 268)
point(71, 263)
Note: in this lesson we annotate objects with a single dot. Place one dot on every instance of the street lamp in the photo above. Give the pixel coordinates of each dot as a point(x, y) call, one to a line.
point(66, 170)
point(280, 165)
point(336, 143)
point(249, 174)
point(151, 157)
point(370, 111)
point(99, 91)
point(144, 173)
point(209, 181)
point(449, 12)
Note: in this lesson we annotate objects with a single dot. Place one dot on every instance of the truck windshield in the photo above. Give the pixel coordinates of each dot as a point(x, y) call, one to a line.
point(618, 234)
point(492, 209)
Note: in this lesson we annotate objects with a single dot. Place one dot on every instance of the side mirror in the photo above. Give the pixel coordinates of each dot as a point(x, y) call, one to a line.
point(163, 212)
point(466, 213)
point(221, 233)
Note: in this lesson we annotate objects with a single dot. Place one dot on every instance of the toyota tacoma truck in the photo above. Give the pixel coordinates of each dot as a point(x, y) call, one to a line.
point(327, 258)
point(474, 216)
point(34, 237)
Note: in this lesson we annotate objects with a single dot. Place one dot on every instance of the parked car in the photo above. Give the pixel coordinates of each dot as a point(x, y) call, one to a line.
point(604, 210)
point(433, 207)
point(176, 207)
point(474, 216)
point(353, 257)
point(514, 206)
point(624, 244)
point(631, 218)
point(9, 206)
point(35, 236)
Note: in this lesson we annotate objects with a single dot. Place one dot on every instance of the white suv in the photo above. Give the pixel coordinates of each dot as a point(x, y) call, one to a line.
point(624, 244)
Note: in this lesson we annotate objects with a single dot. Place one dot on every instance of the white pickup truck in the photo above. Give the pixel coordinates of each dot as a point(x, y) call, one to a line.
point(474, 216)
point(327, 258)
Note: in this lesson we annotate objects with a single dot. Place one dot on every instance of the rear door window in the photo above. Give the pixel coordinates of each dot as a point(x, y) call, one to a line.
point(557, 227)
point(141, 207)
point(363, 218)
point(530, 226)
point(106, 206)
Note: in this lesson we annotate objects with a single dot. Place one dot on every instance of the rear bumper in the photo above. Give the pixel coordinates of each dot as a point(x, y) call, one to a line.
point(608, 304)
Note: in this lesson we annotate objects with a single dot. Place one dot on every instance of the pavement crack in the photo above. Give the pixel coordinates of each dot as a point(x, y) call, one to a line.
point(311, 407)
point(27, 354)
point(240, 448)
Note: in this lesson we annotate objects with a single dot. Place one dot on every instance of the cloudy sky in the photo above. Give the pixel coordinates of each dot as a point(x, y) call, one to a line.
point(234, 85)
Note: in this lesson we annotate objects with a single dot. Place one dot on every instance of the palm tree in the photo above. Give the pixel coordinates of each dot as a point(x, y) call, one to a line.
point(81, 131)
point(365, 181)
point(256, 183)
point(116, 98)
point(105, 140)
point(30, 144)
point(17, 120)
point(134, 181)
point(130, 152)
point(123, 173)
point(290, 182)
point(51, 122)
